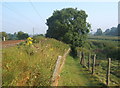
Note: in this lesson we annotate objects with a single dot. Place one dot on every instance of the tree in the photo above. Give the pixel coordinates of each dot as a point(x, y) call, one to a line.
point(4, 34)
point(113, 31)
point(106, 32)
point(68, 25)
point(99, 32)
point(22, 35)
point(118, 28)
point(12, 36)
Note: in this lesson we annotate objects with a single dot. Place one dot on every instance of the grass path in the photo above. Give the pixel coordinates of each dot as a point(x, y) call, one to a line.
point(73, 74)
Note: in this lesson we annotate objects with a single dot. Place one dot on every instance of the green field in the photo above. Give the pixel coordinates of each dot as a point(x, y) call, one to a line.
point(111, 38)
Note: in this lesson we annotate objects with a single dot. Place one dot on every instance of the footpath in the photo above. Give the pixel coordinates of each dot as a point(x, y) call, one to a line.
point(73, 74)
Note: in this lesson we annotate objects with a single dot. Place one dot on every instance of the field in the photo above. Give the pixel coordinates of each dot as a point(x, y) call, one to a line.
point(31, 65)
point(111, 38)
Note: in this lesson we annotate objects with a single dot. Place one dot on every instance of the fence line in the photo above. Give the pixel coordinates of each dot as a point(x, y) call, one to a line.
point(81, 56)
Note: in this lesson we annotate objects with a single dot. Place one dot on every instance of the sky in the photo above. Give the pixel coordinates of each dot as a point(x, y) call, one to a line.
point(26, 16)
point(119, 12)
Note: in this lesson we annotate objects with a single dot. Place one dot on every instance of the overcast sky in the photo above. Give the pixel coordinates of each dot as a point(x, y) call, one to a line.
point(24, 16)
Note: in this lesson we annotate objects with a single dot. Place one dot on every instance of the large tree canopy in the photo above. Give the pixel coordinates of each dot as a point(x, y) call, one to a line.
point(68, 25)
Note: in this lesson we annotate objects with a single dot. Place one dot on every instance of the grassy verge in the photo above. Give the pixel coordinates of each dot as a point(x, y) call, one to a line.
point(101, 71)
point(31, 65)
point(73, 74)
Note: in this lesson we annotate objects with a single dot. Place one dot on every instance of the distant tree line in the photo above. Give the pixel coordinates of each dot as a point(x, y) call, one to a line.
point(16, 36)
point(114, 31)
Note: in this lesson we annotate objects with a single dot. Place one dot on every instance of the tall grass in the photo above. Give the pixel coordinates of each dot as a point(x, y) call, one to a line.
point(31, 65)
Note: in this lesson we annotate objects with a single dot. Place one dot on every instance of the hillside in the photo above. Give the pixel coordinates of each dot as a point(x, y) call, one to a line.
point(31, 65)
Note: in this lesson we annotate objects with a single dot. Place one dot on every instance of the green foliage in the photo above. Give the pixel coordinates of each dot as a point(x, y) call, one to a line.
point(114, 31)
point(68, 25)
point(21, 43)
point(99, 32)
point(31, 65)
point(85, 50)
point(118, 29)
point(36, 39)
point(110, 38)
point(21, 35)
point(12, 36)
point(105, 48)
point(3, 34)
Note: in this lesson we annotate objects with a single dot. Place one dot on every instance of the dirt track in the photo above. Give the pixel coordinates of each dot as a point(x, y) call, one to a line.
point(9, 43)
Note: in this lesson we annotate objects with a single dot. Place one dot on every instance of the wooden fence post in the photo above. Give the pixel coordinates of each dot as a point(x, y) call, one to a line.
point(89, 61)
point(82, 58)
point(56, 71)
point(108, 72)
point(93, 66)
point(80, 55)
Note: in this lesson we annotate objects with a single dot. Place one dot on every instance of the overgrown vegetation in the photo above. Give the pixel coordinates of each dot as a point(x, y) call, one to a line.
point(104, 47)
point(33, 65)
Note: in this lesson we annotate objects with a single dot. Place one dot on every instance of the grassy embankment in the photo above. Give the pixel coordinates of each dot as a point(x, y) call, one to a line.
point(31, 66)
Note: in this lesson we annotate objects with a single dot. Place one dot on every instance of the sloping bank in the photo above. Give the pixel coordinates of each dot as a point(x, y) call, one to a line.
point(31, 65)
